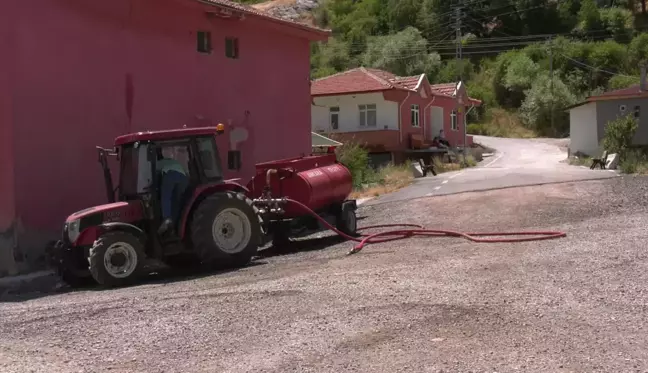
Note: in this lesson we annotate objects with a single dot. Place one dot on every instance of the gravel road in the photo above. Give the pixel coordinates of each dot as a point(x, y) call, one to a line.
point(577, 304)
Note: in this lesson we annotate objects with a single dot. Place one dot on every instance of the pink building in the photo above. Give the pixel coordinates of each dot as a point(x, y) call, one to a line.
point(78, 73)
point(391, 116)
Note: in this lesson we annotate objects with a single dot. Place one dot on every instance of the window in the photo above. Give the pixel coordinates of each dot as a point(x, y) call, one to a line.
point(334, 117)
point(208, 153)
point(637, 112)
point(453, 120)
point(136, 175)
point(367, 115)
point(415, 116)
point(231, 48)
point(234, 160)
point(204, 41)
point(178, 152)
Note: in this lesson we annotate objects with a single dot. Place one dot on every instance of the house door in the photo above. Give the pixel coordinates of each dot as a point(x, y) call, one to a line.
point(436, 122)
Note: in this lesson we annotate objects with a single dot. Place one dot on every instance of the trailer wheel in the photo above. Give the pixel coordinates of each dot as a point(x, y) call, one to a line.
point(116, 259)
point(347, 221)
point(226, 229)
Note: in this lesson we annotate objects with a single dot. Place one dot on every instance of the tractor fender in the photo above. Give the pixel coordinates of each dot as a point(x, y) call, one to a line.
point(89, 235)
point(201, 192)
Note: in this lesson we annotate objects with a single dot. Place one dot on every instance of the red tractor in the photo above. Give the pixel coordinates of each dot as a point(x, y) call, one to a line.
point(172, 204)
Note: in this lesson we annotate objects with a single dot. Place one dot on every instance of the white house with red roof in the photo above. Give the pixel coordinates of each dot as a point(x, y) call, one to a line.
point(392, 116)
point(587, 119)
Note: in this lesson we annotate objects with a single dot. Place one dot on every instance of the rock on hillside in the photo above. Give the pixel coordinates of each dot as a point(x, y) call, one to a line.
point(295, 10)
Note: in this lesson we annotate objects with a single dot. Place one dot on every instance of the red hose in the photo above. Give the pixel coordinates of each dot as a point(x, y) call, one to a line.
point(421, 231)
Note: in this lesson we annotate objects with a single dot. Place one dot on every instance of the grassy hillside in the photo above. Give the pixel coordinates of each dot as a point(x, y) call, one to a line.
point(526, 59)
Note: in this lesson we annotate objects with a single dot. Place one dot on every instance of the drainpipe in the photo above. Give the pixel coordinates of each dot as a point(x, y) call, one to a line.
point(425, 111)
point(400, 116)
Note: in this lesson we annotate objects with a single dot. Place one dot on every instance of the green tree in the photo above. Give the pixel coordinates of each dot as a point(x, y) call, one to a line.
point(638, 50)
point(589, 17)
point(544, 98)
point(404, 53)
point(520, 73)
point(622, 81)
point(619, 23)
point(449, 71)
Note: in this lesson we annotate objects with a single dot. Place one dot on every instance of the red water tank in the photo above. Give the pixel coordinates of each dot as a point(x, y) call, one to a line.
point(318, 181)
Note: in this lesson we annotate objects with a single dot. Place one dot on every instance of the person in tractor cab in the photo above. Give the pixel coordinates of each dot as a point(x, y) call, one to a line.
point(174, 183)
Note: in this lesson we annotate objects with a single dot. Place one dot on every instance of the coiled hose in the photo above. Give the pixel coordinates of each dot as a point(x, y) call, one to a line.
point(398, 234)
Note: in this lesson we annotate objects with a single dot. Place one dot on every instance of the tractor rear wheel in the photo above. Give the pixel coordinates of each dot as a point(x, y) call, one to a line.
point(116, 259)
point(226, 230)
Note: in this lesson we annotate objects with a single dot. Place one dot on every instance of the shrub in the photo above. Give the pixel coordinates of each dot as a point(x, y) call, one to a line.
point(541, 100)
point(356, 159)
point(618, 135)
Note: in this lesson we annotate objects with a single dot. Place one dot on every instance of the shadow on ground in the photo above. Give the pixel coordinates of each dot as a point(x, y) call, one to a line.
point(160, 274)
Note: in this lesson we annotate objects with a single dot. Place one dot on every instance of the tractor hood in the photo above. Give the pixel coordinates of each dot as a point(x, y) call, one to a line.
point(111, 212)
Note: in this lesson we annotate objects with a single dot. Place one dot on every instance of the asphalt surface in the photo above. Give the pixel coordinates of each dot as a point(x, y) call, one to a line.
point(517, 162)
point(576, 304)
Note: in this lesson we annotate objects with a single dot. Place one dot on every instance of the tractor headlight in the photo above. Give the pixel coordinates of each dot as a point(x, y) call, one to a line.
point(73, 230)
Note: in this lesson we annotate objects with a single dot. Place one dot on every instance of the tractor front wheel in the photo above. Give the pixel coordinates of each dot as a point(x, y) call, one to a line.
point(116, 259)
point(226, 230)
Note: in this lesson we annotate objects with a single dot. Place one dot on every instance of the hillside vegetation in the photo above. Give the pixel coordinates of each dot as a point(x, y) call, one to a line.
point(510, 49)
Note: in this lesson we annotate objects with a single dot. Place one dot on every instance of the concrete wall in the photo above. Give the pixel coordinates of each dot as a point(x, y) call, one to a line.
point(86, 72)
point(583, 132)
point(611, 110)
point(349, 115)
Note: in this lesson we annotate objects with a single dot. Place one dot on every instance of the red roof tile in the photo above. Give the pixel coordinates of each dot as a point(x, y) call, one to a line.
point(630, 91)
point(250, 10)
point(362, 80)
point(407, 82)
point(447, 89)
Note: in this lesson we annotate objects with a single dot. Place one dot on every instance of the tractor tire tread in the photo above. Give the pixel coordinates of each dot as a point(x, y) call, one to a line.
point(97, 251)
point(201, 229)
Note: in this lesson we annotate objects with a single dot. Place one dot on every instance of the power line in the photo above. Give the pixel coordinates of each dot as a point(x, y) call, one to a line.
point(596, 68)
point(529, 38)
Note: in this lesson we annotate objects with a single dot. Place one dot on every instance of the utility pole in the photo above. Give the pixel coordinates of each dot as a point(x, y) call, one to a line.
point(458, 52)
point(551, 81)
point(458, 40)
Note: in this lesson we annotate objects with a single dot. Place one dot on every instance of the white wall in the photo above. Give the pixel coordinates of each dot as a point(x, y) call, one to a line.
point(583, 135)
point(349, 121)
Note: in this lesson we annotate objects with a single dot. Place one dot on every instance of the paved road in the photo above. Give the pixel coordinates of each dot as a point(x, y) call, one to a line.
point(517, 162)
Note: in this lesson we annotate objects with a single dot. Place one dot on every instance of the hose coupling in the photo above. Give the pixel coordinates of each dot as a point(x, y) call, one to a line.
point(354, 250)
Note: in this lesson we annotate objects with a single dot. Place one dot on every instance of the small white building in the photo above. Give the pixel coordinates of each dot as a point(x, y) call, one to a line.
point(587, 120)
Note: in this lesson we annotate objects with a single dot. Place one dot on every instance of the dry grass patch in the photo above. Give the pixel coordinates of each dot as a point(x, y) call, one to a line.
point(387, 179)
point(580, 161)
point(501, 123)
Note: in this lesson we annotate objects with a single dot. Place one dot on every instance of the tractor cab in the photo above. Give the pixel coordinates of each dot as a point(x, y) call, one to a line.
point(163, 171)
point(171, 203)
